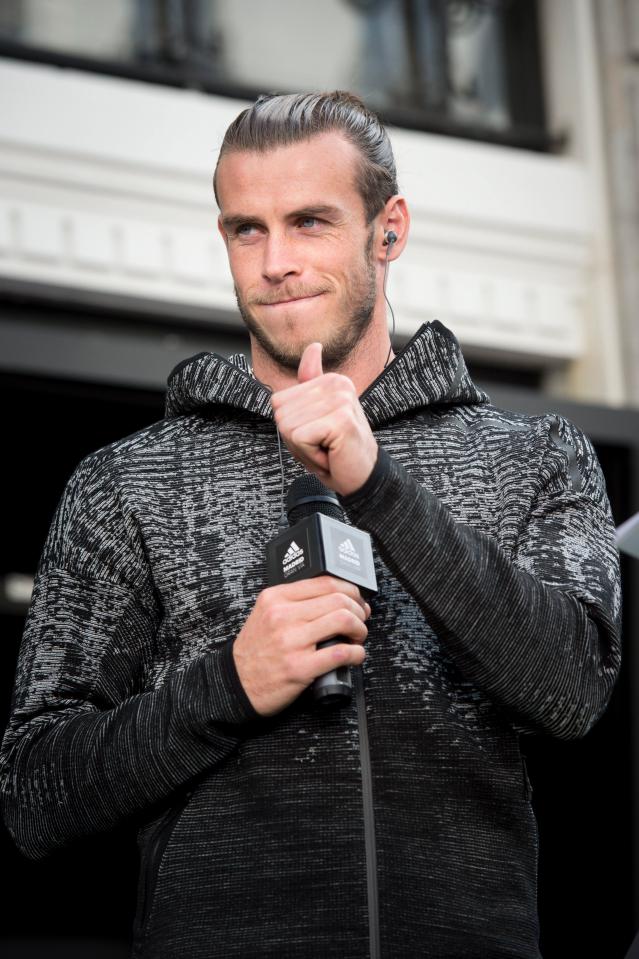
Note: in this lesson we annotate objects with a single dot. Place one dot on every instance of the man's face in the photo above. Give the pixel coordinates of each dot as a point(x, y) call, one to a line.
point(300, 251)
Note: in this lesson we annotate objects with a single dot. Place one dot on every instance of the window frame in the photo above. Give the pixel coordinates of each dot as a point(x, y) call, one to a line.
point(522, 65)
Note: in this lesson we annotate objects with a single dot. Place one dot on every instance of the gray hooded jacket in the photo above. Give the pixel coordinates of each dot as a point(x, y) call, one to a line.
point(400, 826)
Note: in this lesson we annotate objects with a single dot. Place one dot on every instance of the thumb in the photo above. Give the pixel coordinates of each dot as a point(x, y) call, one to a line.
point(311, 363)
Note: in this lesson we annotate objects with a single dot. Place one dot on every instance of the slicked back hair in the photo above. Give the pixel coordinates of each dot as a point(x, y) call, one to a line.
point(277, 120)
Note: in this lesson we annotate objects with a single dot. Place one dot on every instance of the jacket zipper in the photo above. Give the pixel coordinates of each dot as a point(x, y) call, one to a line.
point(369, 818)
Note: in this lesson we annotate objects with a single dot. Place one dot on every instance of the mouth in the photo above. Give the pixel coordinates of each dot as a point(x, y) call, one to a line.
point(294, 299)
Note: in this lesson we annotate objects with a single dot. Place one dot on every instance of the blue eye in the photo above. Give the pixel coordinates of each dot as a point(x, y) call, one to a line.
point(308, 221)
point(244, 229)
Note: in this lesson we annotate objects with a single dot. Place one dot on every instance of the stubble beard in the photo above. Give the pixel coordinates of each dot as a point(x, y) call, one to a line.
point(338, 346)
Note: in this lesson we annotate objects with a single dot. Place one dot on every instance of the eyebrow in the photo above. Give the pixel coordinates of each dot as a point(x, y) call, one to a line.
point(234, 220)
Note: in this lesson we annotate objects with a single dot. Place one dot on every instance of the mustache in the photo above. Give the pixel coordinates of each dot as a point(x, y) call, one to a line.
point(285, 293)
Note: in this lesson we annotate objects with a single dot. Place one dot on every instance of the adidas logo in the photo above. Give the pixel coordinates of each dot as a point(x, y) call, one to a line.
point(347, 547)
point(348, 553)
point(292, 552)
point(293, 558)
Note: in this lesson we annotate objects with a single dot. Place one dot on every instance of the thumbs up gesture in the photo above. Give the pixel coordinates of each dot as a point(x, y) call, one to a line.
point(323, 424)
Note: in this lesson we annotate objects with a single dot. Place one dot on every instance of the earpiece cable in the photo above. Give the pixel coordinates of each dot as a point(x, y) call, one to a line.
point(390, 348)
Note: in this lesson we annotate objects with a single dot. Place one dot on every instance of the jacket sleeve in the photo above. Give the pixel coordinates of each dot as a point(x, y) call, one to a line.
point(539, 631)
point(88, 743)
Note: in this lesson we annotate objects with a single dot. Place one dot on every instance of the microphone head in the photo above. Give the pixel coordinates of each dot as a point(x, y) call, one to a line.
point(307, 495)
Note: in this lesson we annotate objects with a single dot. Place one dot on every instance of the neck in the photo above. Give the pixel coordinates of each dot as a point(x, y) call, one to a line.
point(362, 366)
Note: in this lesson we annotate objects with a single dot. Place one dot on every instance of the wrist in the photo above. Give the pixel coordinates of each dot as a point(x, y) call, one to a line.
point(380, 470)
point(356, 479)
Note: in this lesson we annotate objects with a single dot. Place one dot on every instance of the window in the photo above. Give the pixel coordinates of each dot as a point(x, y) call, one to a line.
point(462, 67)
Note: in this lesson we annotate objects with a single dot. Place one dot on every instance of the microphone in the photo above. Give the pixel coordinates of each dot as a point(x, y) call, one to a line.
point(318, 541)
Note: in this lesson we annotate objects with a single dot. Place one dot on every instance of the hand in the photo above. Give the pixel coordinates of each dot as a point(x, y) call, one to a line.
point(275, 653)
point(323, 425)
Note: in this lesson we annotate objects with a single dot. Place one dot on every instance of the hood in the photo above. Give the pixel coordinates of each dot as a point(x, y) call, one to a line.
point(430, 370)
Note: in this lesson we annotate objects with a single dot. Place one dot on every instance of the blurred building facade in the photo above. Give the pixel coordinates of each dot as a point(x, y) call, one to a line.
point(525, 244)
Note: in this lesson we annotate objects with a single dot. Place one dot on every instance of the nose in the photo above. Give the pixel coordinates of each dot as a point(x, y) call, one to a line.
point(281, 257)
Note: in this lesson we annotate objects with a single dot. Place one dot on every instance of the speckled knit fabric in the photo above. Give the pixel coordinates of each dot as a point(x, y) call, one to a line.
point(497, 615)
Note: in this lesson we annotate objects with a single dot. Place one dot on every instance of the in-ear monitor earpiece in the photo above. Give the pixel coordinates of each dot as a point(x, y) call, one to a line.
point(390, 237)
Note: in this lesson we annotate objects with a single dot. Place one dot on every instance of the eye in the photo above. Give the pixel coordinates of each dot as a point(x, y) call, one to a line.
point(244, 229)
point(308, 222)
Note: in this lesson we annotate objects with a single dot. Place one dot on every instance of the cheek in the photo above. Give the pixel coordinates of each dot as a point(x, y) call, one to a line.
point(349, 274)
point(243, 269)
point(337, 269)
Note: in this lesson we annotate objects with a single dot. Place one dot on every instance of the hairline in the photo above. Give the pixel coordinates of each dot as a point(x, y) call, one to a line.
point(361, 161)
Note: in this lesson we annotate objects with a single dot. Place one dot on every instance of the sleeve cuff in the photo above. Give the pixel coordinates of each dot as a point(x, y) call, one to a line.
point(227, 665)
point(381, 472)
point(216, 696)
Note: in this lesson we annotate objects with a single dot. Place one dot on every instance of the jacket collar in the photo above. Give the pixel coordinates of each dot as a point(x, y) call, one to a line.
point(428, 371)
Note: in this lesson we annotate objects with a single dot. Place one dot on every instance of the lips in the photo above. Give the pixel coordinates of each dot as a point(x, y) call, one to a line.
point(295, 299)
point(291, 299)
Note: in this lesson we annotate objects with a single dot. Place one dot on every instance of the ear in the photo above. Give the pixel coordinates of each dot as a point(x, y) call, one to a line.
point(395, 217)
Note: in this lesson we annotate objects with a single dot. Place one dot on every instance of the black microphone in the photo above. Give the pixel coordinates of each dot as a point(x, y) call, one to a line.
point(318, 541)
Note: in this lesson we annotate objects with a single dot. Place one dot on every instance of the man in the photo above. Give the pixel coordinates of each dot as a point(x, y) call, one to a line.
point(161, 680)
